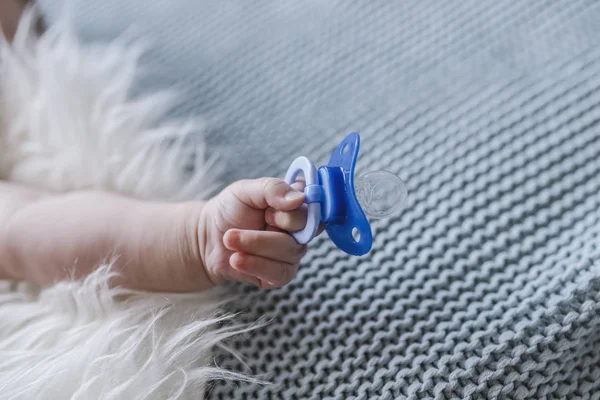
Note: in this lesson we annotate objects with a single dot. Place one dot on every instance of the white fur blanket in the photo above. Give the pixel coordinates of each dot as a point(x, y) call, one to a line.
point(68, 123)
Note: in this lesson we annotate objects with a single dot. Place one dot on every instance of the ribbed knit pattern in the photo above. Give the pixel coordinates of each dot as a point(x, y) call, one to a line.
point(487, 284)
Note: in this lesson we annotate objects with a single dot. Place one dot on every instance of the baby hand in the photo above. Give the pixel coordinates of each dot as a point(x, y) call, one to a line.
point(243, 233)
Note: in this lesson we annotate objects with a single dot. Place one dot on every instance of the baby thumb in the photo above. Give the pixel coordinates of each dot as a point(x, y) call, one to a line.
point(268, 192)
point(282, 196)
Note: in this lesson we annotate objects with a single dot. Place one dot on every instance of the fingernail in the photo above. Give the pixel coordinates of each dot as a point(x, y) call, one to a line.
point(231, 239)
point(294, 195)
point(269, 216)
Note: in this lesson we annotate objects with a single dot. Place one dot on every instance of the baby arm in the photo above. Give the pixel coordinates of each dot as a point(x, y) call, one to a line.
point(238, 235)
point(10, 13)
point(241, 234)
point(46, 237)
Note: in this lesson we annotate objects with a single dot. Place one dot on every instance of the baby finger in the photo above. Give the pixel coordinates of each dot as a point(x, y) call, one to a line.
point(291, 221)
point(268, 244)
point(271, 273)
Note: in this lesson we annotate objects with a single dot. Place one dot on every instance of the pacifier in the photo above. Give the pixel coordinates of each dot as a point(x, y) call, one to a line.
point(340, 202)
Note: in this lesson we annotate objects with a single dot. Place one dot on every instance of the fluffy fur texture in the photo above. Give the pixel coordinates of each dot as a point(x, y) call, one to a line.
point(68, 123)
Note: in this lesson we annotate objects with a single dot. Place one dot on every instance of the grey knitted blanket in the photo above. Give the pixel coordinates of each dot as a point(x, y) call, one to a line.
point(487, 285)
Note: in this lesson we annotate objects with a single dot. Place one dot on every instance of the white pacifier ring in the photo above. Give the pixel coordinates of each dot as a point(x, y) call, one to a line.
point(305, 166)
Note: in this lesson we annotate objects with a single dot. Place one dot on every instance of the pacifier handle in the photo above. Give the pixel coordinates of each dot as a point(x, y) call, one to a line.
point(305, 166)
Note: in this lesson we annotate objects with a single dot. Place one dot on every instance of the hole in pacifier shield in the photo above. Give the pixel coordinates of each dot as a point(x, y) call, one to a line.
point(355, 235)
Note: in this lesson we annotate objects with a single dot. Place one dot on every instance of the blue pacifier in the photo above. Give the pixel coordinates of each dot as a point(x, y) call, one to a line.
point(342, 204)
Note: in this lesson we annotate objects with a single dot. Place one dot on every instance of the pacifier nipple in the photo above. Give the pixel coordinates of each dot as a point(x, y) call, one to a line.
point(334, 198)
point(380, 193)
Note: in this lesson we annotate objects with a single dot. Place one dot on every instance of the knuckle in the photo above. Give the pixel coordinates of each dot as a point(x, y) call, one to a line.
point(267, 183)
point(273, 185)
point(264, 182)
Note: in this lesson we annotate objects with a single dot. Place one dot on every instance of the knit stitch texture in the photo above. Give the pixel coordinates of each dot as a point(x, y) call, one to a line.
point(487, 285)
